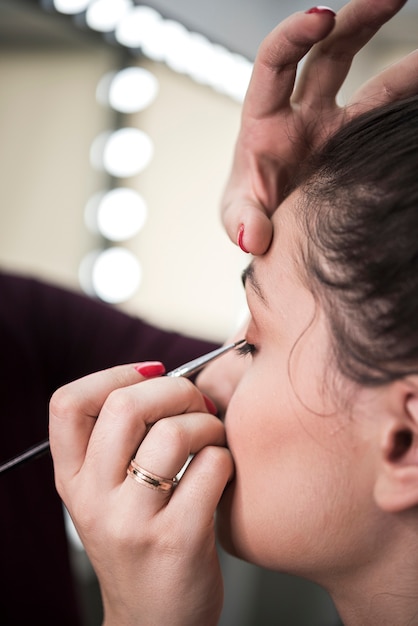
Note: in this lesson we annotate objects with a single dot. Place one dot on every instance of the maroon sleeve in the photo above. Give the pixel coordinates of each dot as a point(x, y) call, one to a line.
point(50, 336)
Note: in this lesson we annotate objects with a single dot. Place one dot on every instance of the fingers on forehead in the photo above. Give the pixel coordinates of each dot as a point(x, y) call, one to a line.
point(255, 219)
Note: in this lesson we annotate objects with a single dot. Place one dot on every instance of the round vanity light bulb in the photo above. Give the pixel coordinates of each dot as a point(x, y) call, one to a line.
point(116, 275)
point(121, 214)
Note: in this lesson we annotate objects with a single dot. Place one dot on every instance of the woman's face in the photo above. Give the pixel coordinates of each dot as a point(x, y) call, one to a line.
point(300, 498)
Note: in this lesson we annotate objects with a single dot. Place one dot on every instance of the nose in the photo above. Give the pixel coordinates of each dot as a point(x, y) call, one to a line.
point(219, 379)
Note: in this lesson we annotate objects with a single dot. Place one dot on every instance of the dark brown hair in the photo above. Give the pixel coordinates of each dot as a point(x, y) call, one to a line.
point(360, 212)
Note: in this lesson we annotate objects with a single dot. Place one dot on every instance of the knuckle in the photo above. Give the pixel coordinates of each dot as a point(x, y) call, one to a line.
point(215, 458)
point(170, 434)
point(124, 535)
point(189, 390)
point(184, 385)
point(218, 461)
point(120, 402)
point(169, 544)
point(63, 402)
point(183, 393)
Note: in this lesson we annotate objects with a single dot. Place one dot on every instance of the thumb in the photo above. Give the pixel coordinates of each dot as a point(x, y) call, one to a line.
point(249, 226)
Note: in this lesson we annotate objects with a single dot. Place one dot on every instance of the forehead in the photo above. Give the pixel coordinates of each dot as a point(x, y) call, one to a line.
point(289, 239)
point(281, 274)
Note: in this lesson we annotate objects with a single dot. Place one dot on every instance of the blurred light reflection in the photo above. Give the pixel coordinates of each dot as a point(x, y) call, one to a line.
point(71, 7)
point(138, 25)
point(104, 15)
point(113, 275)
point(131, 90)
point(122, 153)
point(117, 215)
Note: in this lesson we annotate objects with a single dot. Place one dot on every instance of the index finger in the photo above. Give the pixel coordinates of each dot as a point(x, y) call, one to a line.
point(73, 413)
point(275, 67)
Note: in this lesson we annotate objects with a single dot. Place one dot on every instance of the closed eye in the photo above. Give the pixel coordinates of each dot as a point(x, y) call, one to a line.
point(246, 348)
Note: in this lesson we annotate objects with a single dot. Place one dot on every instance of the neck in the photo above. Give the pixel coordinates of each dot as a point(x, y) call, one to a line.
point(384, 593)
point(386, 608)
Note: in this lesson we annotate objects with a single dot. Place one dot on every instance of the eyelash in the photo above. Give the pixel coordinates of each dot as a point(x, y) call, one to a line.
point(246, 348)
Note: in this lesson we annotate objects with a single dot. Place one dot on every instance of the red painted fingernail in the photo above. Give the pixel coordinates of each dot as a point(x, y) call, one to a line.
point(210, 405)
point(240, 239)
point(321, 9)
point(150, 369)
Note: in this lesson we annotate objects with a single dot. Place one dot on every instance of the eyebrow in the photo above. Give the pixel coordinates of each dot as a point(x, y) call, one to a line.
point(249, 275)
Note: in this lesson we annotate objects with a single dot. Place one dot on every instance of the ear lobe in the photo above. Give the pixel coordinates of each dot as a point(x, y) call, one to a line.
point(396, 487)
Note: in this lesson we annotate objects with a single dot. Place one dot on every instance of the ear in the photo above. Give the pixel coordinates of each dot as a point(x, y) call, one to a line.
point(396, 487)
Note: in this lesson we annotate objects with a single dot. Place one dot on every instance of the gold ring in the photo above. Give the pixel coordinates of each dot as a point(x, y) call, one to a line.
point(153, 481)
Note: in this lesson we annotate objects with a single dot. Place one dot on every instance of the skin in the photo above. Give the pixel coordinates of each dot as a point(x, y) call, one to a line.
point(284, 118)
point(280, 407)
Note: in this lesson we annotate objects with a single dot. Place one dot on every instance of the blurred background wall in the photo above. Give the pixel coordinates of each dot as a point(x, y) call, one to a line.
point(55, 126)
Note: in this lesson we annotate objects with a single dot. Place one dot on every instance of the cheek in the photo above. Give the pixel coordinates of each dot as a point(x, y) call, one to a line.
point(258, 433)
point(253, 417)
point(287, 483)
point(266, 422)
